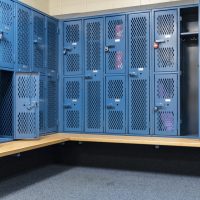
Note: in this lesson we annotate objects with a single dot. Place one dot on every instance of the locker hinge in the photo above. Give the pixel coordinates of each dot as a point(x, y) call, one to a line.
point(58, 31)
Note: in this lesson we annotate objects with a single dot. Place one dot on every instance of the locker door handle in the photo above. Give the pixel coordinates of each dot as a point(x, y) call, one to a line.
point(133, 74)
point(107, 48)
point(66, 50)
point(160, 41)
point(88, 77)
point(1, 35)
point(157, 108)
point(32, 105)
point(110, 106)
point(68, 106)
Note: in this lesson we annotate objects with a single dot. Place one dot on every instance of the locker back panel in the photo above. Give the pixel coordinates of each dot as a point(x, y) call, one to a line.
point(23, 36)
point(166, 97)
point(73, 48)
point(115, 105)
point(27, 105)
point(73, 104)
point(139, 62)
point(52, 44)
point(94, 105)
point(6, 34)
point(115, 44)
point(39, 42)
point(166, 40)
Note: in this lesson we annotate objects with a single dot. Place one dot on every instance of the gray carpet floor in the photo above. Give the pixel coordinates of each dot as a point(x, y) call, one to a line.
point(58, 182)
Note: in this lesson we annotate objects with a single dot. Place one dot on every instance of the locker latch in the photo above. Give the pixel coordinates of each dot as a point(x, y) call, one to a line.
point(68, 106)
point(88, 77)
point(110, 106)
point(159, 107)
point(107, 48)
point(31, 105)
point(133, 74)
point(157, 43)
point(1, 35)
point(66, 50)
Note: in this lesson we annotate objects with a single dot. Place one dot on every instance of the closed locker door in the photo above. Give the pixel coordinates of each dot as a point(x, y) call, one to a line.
point(94, 64)
point(39, 42)
point(166, 111)
point(52, 44)
point(115, 44)
point(115, 105)
point(72, 48)
point(139, 62)
point(73, 106)
point(26, 105)
point(52, 117)
point(166, 40)
point(6, 34)
point(23, 38)
point(43, 107)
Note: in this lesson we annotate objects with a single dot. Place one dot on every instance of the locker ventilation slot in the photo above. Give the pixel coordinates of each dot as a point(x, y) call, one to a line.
point(165, 88)
point(115, 60)
point(72, 62)
point(72, 33)
point(93, 47)
point(166, 57)
point(165, 121)
point(115, 89)
point(72, 119)
point(115, 29)
point(166, 24)
point(94, 105)
point(23, 40)
point(139, 42)
point(139, 105)
point(72, 89)
point(115, 120)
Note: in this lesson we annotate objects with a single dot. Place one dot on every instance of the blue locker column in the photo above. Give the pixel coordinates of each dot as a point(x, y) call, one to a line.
point(115, 105)
point(73, 104)
point(94, 65)
point(6, 34)
point(39, 42)
point(166, 72)
point(139, 63)
point(115, 44)
point(23, 38)
point(26, 105)
point(73, 54)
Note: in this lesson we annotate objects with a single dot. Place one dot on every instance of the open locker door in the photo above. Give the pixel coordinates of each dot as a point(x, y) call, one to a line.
point(27, 105)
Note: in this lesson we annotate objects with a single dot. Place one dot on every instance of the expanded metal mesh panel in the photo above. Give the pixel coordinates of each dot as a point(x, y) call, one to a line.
point(115, 89)
point(72, 33)
point(72, 119)
point(166, 24)
point(139, 41)
point(72, 90)
point(39, 35)
point(115, 60)
point(94, 44)
point(165, 88)
point(94, 105)
point(115, 120)
point(52, 44)
point(6, 14)
point(6, 104)
point(139, 105)
point(115, 29)
point(23, 37)
point(72, 63)
point(7, 49)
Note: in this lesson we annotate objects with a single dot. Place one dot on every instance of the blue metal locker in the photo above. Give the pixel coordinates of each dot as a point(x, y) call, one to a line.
point(43, 105)
point(23, 38)
point(115, 105)
point(39, 42)
point(73, 104)
point(166, 109)
point(6, 34)
point(115, 44)
point(52, 120)
point(26, 105)
point(166, 40)
point(73, 64)
point(94, 67)
point(139, 63)
point(52, 44)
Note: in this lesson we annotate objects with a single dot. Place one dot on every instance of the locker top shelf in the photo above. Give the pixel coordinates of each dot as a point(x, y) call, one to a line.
point(16, 147)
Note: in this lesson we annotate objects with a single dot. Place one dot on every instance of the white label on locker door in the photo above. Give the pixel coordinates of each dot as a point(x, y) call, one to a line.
point(117, 100)
point(74, 44)
point(140, 69)
point(167, 36)
point(95, 71)
point(167, 100)
point(74, 100)
point(117, 40)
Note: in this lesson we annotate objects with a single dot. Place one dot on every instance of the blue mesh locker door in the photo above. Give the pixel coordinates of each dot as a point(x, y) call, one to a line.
point(6, 34)
point(72, 48)
point(115, 44)
point(115, 105)
point(27, 105)
point(52, 44)
point(139, 62)
point(166, 40)
point(73, 104)
point(94, 64)
point(52, 120)
point(39, 41)
point(43, 107)
point(166, 111)
point(23, 38)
